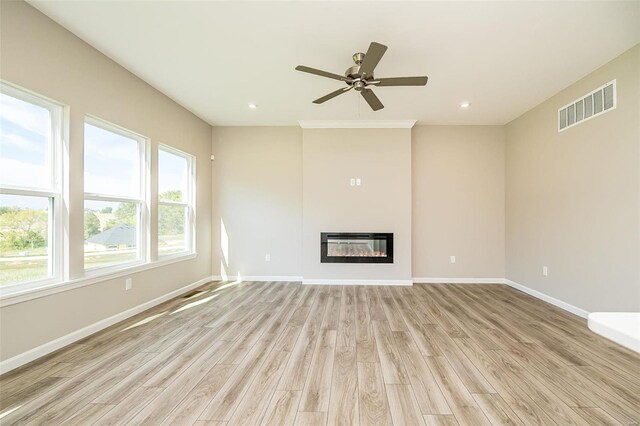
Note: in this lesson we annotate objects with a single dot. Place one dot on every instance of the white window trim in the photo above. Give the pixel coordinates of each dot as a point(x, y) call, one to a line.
point(190, 203)
point(58, 196)
point(575, 123)
point(143, 232)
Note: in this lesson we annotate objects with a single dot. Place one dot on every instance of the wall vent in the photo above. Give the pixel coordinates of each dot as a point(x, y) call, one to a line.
point(597, 102)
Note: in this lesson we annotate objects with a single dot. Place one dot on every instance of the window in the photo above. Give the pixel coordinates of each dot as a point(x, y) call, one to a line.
point(115, 218)
point(175, 202)
point(35, 190)
point(31, 214)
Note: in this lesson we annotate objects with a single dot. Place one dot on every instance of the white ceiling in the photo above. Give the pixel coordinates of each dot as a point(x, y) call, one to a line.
point(216, 57)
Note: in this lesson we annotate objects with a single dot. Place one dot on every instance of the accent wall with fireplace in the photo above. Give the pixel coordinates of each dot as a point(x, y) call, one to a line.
point(438, 189)
point(367, 227)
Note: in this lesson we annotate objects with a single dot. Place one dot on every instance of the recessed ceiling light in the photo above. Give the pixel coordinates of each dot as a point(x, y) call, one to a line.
point(253, 106)
point(465, 105)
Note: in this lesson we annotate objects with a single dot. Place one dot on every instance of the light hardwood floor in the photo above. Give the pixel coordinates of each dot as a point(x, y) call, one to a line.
point(288, 354)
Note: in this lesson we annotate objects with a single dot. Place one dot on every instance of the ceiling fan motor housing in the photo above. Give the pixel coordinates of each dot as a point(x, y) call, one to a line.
point(353, 72)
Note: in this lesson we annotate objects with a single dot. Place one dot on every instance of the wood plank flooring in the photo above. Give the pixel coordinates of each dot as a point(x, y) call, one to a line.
point(287, 354)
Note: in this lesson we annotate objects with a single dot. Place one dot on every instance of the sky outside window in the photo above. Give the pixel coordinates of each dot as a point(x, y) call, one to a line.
point(111, 163)
point(25, 138)
point(173, 176)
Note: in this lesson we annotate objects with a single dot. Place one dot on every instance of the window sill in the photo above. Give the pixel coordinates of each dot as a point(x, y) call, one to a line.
point(24, 295)
point(173, 256)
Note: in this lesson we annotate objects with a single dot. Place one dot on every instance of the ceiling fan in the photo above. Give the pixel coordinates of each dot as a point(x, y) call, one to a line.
point(360, 77)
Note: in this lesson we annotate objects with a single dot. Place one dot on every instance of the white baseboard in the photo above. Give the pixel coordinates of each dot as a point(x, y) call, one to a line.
point(559, 303)
point(432, 280)
point(294, 278)
point(356, 282)
point(60, 342)
point(535, 293)
point(260, 278)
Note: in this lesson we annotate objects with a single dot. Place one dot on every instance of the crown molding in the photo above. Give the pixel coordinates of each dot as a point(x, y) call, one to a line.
point(357, 124)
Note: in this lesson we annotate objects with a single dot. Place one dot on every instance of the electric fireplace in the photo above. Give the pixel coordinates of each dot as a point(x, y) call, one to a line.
point(352, 247)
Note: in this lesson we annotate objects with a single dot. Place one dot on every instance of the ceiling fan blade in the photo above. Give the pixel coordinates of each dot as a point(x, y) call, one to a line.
point(400, 81)
point(372, 57)
point(332, 95)
point(322, 73)
point(372, 99)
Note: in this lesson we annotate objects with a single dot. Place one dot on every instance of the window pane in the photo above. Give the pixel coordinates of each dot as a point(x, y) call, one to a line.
point(173, 176)
point(110, 233)
point(171, 229)
point(25, 148)
point(24, 237)
point(111, 163)
point(563, 118)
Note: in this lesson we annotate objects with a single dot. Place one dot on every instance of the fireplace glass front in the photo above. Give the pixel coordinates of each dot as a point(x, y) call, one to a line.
point(343, 247)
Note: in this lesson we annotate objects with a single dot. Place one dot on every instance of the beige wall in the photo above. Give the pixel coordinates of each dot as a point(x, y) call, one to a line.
point(382, 159)
point(43, 57)
point(573, 198)
point(458, 201)
point(257, 187)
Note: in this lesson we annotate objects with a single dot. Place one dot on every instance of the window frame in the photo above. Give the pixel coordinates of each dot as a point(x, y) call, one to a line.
point(142, 211)
point(57, 247)
point(189, 204)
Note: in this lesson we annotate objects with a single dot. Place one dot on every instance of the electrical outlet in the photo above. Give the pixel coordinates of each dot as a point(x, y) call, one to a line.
point(452, 259)
point(545, 271)
point(353, 181)
point(267, 257)
point(128, 284)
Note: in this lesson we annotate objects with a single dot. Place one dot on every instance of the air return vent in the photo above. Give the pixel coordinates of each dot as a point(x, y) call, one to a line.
point(598, 102)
